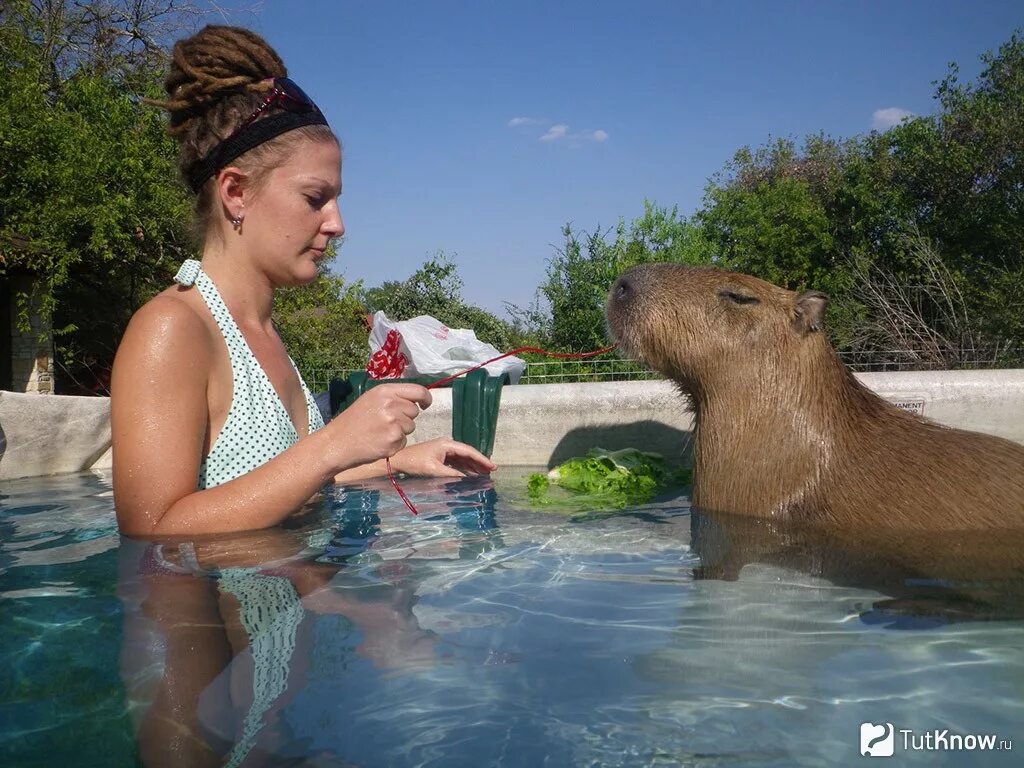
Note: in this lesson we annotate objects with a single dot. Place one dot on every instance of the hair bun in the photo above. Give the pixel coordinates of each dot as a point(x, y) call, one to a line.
point(215, 60)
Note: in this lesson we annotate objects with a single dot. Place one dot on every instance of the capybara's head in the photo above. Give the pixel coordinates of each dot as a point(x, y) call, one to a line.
point(695, 324)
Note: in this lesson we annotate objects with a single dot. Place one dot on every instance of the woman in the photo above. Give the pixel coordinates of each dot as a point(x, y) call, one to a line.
point(213, 428)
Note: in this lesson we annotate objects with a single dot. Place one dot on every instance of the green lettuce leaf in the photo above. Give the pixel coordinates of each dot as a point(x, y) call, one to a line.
point(605, 479)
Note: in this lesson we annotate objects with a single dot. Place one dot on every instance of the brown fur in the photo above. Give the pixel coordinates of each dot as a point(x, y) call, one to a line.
point(782, 426)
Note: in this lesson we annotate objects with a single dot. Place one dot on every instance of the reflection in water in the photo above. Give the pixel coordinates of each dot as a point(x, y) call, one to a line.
point(442, 640)
point(221, 631)
point(784, 644)
point(928, 577)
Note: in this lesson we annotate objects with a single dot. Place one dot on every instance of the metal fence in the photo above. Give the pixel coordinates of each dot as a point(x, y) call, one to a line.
point(910, 360)
point(559, 371)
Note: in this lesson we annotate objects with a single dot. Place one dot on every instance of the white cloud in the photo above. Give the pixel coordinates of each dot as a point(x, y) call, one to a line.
point(884, 119)
point(556, 132)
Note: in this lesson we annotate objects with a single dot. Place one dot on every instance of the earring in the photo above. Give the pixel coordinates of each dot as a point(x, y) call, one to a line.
point(236, 222)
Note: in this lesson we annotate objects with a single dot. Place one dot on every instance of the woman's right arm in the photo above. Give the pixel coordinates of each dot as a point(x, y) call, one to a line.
point(159, 420)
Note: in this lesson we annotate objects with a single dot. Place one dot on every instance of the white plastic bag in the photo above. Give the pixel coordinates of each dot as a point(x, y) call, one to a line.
point(424, 346)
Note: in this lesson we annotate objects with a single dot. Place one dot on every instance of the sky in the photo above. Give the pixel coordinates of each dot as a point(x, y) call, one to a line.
point(480, 128)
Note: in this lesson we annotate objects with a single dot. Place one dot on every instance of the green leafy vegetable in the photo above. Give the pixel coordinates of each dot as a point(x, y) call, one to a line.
point(605, 479)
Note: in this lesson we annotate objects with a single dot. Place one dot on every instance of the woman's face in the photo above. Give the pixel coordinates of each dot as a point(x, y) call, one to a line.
point(293, 215)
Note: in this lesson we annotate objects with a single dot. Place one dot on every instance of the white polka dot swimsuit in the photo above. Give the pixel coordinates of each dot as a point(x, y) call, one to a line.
point(257, 427)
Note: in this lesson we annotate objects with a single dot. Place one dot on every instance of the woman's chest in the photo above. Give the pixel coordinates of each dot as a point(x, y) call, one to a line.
point(263, 362)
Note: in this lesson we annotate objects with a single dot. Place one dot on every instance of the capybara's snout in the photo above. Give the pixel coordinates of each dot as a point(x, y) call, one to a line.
point(619, 299)
point(623, 289)
point(625, 300)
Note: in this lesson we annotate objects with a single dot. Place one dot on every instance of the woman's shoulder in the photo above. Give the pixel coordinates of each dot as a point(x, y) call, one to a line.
point(172, 323)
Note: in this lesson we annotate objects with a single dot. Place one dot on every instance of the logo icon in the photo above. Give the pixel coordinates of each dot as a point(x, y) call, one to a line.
point(877, 740)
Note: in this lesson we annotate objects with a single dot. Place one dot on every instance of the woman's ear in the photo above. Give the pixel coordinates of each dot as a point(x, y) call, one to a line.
point(231, 190)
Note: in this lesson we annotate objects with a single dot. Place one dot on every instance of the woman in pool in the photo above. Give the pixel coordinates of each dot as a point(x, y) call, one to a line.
point(213, 428)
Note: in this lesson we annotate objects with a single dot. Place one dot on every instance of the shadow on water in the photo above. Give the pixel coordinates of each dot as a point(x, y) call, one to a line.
point(929, 577)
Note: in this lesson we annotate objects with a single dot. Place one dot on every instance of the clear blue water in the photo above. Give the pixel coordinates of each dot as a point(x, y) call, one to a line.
point(479, 633)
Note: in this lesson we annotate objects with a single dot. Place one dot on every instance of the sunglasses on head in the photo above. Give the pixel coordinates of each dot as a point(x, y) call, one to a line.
point(285, 94)
point(298, 110)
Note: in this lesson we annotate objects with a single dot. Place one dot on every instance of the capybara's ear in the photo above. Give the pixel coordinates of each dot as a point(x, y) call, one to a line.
point(809, 311)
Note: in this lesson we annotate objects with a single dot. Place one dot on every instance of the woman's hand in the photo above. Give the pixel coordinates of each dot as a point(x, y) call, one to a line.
point(442, 457)
point(376, 425)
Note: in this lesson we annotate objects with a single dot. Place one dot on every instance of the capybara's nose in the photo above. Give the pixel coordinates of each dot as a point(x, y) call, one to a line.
point(623, 290)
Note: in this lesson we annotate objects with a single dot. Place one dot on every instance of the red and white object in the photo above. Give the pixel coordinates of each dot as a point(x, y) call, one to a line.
point(424, 346)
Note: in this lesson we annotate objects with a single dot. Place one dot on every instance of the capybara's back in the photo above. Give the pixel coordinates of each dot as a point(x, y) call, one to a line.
point(784, 428)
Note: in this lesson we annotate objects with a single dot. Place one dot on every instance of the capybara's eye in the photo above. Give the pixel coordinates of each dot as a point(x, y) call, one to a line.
point(738, 298)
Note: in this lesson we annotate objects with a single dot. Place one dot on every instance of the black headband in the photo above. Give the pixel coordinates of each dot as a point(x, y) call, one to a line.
point(248, 138)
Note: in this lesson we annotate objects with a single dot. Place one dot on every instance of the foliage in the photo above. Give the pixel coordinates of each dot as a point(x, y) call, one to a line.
point(920, 226)
point(89, 195)
point(322, 324)
point(581, 272)
point(928, 324)
point(578, 280)
point(916, 233)
point(87, 176)
point(940, 194)
point(769, 216)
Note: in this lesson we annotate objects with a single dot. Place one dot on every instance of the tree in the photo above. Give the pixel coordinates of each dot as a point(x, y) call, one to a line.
point(322, 325)
point(87, 174)
point(578, 278)
point(963, 172)
point(928, 324)
point(768, 212)
point(940, 194)
point(660, 234)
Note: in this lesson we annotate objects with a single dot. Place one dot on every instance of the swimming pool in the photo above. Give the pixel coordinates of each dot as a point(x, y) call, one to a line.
point(478, 633)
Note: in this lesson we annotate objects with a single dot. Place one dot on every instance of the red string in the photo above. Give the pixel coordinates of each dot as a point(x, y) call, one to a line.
point(391, 477)
point(446, 379)
point(563, 355)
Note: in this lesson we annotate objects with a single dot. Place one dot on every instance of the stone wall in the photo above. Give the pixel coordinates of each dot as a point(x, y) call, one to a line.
point(31, 348)
point(52, 435)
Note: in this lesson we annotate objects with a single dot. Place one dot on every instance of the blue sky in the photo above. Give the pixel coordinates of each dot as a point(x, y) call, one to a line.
point(480, 128)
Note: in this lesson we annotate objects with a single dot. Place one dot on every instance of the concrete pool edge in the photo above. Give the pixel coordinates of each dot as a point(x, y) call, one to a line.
point(538, 424)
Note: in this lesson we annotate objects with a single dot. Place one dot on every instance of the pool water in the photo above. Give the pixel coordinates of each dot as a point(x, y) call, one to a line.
point(484, 633)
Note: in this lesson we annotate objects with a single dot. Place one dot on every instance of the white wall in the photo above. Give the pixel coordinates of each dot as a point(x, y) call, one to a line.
point(547, 423)
point(537, 423)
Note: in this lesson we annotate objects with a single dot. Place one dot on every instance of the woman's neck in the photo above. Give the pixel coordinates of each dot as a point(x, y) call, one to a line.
point(246, 291)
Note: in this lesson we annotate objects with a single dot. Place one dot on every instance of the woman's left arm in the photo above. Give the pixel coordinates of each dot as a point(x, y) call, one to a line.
point(441, 457)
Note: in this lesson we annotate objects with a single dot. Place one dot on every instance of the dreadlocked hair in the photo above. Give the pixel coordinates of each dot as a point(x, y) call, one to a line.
point(217, 79)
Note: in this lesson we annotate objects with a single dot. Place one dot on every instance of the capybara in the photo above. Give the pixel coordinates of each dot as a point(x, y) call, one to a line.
point(783, 428)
